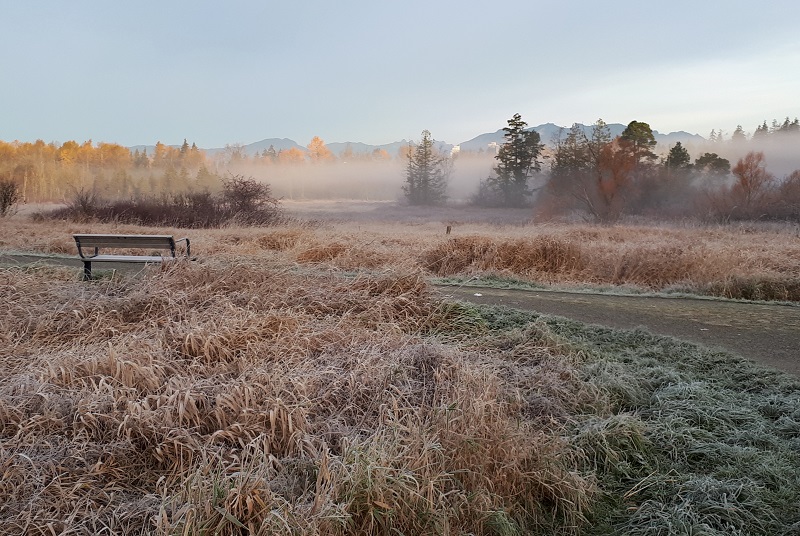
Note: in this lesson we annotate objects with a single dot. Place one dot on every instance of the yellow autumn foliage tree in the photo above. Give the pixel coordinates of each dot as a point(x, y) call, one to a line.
point(318, 153)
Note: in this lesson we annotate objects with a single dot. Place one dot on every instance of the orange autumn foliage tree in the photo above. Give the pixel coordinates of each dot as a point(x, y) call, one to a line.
point(592, 174)
point(615, 185)
point(753, 185)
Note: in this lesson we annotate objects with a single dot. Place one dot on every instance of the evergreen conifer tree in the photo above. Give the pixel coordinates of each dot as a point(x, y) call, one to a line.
point(426, 173)
point(517, 159)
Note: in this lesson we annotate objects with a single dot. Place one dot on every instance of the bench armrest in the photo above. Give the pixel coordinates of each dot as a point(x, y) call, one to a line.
point(188, 246)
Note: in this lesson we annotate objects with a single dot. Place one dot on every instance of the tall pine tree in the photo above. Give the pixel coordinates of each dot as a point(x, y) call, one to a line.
point(517, 159)
point(426, 173)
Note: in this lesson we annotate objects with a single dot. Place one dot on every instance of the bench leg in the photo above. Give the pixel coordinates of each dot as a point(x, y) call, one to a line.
point(87, 271)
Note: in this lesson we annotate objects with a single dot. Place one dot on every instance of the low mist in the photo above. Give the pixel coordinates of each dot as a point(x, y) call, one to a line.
point(43, 172)
point(361, 180)
point(781, 151)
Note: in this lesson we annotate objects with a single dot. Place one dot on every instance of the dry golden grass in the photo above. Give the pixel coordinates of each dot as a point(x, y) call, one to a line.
point(241, 395)
point(261, 391)
point(757, 262)
point(747, 261)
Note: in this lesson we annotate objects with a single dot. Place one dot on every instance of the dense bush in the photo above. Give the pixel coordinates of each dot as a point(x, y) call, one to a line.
point(243, 201)
point(9, 197)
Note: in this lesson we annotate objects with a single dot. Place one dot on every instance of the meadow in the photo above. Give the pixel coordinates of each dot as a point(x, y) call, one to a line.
point(307, 379)
point(752, 260)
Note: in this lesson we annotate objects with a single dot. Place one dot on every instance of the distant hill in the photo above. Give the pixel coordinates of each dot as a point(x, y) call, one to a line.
point(363, 148)
point(250, 149)
point(392, 148)
point(149, 148)
point(680, 136)
point(280, 144)
point(548, 132)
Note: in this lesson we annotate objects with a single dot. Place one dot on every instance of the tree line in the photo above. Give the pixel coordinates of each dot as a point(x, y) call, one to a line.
point(583, 173)
point(48, 171)
point(597, 177)
point(42, 171)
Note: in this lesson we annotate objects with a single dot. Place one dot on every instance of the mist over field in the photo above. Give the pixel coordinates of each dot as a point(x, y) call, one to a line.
point(781, 153)
point(653, 191)
point(383, 180)
point(362, 180)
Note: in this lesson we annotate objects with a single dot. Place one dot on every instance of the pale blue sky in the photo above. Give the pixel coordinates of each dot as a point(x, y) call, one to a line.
point(377, 71)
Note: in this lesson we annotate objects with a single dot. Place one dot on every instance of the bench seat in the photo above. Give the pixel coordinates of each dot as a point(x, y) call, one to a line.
point(145, 259)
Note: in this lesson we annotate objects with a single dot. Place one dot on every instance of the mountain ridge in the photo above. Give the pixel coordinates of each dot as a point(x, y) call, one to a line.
point(547, 132)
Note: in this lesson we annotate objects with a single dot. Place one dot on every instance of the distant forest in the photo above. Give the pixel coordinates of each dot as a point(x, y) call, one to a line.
point(732, 176)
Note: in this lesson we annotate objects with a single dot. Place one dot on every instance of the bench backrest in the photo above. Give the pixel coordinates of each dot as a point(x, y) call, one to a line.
point(124, 241)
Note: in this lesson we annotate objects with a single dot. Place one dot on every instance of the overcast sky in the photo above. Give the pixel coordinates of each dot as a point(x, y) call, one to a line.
point(379, 71)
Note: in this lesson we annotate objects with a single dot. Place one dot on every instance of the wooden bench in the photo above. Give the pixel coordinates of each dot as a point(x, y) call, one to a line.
point(90, 245)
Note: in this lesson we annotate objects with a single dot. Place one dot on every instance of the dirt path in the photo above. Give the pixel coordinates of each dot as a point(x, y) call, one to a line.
point(769, 334)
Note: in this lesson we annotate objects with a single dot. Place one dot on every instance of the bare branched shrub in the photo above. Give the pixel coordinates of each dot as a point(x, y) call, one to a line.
point(243, 201)
point(84, 204)
point(9, 197)
point(250, 201)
